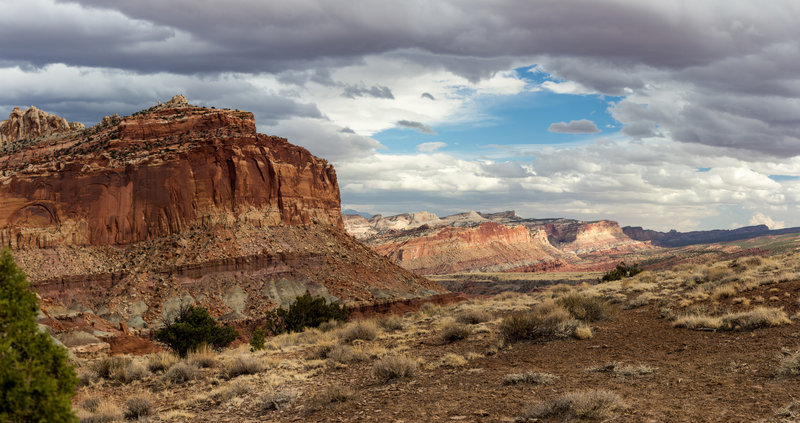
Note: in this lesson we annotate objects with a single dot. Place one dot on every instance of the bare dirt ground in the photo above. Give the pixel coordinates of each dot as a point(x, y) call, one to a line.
point(697, 375)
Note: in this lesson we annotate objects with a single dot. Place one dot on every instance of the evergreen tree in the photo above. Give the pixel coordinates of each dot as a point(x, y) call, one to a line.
point(195, 326)
point(36, 380)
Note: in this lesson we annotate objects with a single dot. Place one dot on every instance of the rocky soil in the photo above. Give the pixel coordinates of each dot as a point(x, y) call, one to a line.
point(659, 372)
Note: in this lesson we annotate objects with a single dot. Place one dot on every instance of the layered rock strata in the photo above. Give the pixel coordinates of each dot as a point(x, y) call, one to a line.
point(178, 204)
point(496, 242)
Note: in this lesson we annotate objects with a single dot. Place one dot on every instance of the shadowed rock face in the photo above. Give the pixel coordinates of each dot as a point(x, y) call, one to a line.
point(181, 204)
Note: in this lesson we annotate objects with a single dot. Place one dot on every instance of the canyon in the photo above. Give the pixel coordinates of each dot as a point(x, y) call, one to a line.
point(493, 242)
point(174, 205)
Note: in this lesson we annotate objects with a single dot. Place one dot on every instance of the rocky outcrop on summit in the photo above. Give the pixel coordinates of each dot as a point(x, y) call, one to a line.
point(33, 123)
point(492, 242)
point(177, 204)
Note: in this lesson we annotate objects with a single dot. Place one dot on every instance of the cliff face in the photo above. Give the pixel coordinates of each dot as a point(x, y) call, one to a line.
point(182, 204)
point(589, 237)
point(33, 123)
point(143, 177)
point(496, 242)
point(488, 247)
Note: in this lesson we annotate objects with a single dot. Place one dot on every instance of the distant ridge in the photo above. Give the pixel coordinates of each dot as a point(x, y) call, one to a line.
point(674, 238)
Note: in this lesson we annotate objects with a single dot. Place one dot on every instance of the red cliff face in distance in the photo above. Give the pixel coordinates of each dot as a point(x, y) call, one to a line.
point(177, 204)
point(497, 242)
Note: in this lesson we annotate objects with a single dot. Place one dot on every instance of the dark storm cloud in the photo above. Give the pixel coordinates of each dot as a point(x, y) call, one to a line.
point(719, 60)
point(419, 126)
point(353, 91)
point(583, 126)
point(251, 36)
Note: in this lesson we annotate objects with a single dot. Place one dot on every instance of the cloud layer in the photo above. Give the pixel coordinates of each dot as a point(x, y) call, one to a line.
point(712, 84)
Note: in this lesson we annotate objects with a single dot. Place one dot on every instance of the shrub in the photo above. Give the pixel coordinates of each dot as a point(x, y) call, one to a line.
point(529, 378)
point(36, 378)
point(391, 323)
point(257, 340)
point(91, 404)
point(305, 312)
point(544, 321)
point(586, 307)
point(193, 327)
point(161, 361)
point(276, 400)
point(633, 371)
point(473, 317)
point(244, 365)
point(203, 357)
point(137, 407)
point(105, 412)
point(452, 332)
point(758, 317)
point(108, 367)
point(790, 365)
point(591, 404)
point(621, 271)
point(394, 367)
point(180, 373)
point(345, 354)
point(366, 330)
point(330, 395)
point(453, 360)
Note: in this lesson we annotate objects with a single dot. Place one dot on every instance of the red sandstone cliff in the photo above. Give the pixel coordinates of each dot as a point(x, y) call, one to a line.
point(178, 203)
point(497, 242)
point(151, 175)
point(488, 247)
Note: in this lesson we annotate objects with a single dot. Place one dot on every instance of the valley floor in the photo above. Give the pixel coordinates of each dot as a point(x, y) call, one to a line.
point(662, 373)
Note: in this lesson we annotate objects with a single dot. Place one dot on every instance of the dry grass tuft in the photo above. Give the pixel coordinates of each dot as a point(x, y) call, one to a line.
point(633, 371)
point(758, 317)
point(394, 367)
point(161, 361)
point(137, 407)
point(366, 330)
point(391, 323)
point(529, 378)
point(244, 365)
point(453, 360)
point(105, 412)
point(330, 395)
point(180, 373)
point(586, 307)
point(119, 369)
point(203, 357)
point(275, 400)
point(473, 317)
point(790, 365)
point(590, 404)
point(452, 331)
point(583, 331)
point(346, 354)
point(546, 320)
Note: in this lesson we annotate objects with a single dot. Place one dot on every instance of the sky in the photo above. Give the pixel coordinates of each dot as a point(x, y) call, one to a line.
point(668, 115)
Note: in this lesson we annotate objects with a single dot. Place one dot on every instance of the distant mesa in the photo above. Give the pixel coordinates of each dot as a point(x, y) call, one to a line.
point(674, 238)
point(492, 242)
